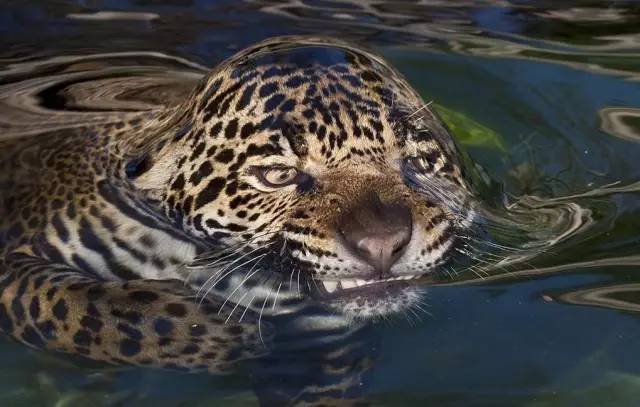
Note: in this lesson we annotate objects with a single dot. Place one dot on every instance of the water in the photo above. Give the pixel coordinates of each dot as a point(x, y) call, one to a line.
point(546, 99)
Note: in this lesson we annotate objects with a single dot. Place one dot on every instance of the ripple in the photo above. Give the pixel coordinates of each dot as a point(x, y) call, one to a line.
point(533, 229)
point(622, 297)
point(78, 91)
point(621, 122)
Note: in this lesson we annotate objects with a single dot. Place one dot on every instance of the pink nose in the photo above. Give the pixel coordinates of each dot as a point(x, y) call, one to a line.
point(376, 232)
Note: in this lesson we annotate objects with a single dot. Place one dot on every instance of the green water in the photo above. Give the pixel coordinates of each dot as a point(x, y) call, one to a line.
point(543, 96)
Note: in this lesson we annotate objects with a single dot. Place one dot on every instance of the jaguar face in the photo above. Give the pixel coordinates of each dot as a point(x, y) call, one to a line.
point(315, 166)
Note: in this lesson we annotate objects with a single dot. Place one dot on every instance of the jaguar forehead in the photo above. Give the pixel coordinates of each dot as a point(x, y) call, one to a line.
point(330, 92)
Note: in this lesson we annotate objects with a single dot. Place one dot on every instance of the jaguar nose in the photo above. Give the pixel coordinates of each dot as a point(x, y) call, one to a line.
point(377, 232)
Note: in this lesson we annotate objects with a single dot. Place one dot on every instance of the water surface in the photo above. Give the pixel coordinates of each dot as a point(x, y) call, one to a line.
point(543, 96)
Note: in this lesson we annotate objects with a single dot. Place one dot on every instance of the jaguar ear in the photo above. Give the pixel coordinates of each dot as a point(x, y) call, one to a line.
point(153, 173)
point(152, 158)
point(137, 166)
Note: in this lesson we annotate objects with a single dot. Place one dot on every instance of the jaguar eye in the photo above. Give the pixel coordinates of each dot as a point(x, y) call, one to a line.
point(276, 177)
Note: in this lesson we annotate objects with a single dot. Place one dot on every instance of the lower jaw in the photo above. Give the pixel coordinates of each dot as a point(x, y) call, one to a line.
point(375, 302)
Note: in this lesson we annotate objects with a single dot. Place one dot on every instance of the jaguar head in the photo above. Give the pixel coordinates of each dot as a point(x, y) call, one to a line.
point(312, 165)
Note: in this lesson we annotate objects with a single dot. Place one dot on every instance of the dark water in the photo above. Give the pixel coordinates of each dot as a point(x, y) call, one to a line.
point(545, 96)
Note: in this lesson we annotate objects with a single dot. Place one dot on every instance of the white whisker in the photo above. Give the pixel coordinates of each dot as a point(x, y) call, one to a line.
point(276, 298)
point(247, 308)
point(236, 306)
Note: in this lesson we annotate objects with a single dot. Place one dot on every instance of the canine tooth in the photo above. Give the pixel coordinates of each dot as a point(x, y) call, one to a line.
point(360, 283)
point(348, 284)
point(330, 286)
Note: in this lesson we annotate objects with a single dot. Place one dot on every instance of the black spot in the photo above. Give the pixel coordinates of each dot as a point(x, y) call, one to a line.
point(294, 82)
point(129, 347)
point(162, 326)
point(164, 341)
point(210, 355)
point(130, 331)
point(61, 229)
point(288, 106)
point(176, 310)
point(91, 240)
point(147, 241)
point(232, 188)
point(273, 102)
point(370, 76)
point(93, 310)
point(210, 192)
point(82, 338)
point(231, 129)
point(34, 308)
point(235, 227)
point(267, 89)
point(205, 170)
point(186, 207)
point(144, 297)
point(17, 309)
point(225, 156)
point(83, 265)
point(215, 130)
point(22, 288)
point(178, 183)
point(197, 222)
point(197, 151)
point(247, 130)
point(91, 323)
point(51, 292)
point(245, 98)
point(353, 81)
point(190, 349)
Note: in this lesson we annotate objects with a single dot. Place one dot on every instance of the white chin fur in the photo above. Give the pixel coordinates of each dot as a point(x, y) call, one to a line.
point(378, 306)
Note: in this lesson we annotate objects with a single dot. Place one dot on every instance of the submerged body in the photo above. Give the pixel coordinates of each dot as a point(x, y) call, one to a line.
point(301, 170)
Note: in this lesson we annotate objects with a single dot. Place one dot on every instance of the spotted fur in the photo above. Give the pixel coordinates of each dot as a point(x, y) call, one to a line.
point(119, 242)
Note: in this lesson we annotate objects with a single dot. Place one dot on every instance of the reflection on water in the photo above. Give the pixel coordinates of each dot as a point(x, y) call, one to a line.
point(561, 214)
point(623, 122)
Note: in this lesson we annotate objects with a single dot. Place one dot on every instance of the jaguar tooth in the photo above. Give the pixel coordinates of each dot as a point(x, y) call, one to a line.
point(348, 284)
point(330, 286)
point(360, 283)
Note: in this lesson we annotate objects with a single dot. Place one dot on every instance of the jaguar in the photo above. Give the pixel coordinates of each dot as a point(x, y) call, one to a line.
point(302, 170)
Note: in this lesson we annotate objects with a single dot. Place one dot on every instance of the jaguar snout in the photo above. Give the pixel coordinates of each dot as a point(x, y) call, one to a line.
point(376, 232)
